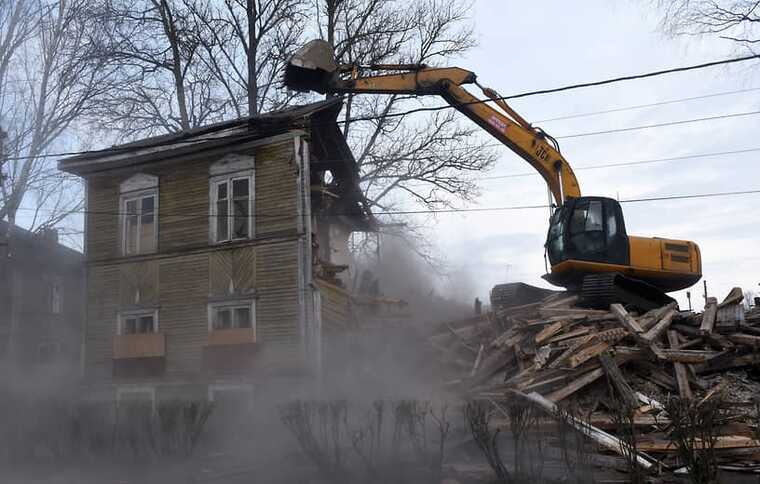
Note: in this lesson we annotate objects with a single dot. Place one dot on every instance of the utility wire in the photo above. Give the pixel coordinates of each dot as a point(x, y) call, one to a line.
point(629, 163)
point(485, 145)
point(437, 108)
point(649, 105)
point(428, 211)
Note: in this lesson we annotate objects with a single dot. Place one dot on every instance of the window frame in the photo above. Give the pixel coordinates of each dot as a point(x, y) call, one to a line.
point(231, 304)
point(55, 295)
point(136, 313)
point(55, 356)
point(138, 195)
point(228, 178)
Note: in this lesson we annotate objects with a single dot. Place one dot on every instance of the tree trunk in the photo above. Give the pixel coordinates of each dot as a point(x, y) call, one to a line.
point(252, 50)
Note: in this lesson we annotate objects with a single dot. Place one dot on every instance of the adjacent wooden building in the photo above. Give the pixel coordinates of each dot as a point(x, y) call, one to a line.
point(41, 304)
point(203, 253)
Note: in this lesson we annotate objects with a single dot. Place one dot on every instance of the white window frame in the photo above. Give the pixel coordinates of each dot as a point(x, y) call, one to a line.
point(231, 167)
point(123, 315)
point(249, 303)
point(150, 391)
point(138, 196)
point(213, 192)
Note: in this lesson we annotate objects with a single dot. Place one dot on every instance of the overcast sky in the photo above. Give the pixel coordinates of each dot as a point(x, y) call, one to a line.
point(533, 45)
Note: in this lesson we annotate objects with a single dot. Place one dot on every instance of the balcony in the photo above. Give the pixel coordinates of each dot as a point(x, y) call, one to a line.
point(232, 336)
point(139, 345)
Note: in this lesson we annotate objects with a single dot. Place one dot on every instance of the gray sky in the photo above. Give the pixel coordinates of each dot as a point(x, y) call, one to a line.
point(533, 45)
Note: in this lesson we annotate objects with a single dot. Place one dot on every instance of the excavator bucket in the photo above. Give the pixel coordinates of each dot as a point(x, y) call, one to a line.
point(311, 68)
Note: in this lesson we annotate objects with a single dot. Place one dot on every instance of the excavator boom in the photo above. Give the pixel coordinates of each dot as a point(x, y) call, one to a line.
point(313, 68)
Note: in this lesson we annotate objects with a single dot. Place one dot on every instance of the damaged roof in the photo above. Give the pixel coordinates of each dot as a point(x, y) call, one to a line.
point(329, 147)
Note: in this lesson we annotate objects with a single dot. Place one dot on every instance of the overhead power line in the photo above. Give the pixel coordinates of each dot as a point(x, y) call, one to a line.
point(439, 108)
point(284, 216)
point(629, 163)
point(567, 136)
point(649, 105)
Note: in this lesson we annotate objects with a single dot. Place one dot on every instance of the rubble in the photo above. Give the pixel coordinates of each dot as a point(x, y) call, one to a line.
point(553, 353)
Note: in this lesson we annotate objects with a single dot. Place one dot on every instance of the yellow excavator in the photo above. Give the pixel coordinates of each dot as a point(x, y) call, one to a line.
point(587, 244)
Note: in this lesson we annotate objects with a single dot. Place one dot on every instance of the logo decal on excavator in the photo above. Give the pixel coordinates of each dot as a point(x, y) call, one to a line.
point(497, 123)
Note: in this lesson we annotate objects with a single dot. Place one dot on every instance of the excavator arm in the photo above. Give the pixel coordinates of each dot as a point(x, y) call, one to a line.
point(313, 69)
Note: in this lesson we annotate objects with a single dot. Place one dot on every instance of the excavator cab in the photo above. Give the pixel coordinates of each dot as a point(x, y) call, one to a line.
point(590, 229)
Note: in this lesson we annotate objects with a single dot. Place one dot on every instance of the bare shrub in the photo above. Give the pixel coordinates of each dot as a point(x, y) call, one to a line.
point(693, 430)
point(390, 441)
point(573, 444)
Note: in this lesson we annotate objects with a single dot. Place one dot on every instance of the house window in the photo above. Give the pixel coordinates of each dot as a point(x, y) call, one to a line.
point(231, 316)
point(56, 296)
point(138, 322)
point(139, 214)
point(139, 224)
point(231, 210)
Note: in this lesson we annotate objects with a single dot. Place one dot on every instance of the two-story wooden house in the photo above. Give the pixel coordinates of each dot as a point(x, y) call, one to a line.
point(202, 249)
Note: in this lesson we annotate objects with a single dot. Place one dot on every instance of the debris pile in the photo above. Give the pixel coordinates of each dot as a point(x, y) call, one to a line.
point(554, 354)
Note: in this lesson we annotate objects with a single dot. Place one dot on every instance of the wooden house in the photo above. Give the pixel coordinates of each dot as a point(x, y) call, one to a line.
point(41, 304)
point(203, 250)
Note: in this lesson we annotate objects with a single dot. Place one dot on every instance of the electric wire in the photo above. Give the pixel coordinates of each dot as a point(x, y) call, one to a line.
point(270, 216)
point(116, 150)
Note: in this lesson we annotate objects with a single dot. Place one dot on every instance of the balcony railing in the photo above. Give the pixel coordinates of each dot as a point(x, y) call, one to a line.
point(140, 345)
point(232, 336)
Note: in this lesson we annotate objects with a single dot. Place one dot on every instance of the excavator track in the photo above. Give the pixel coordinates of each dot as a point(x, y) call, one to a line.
point(600, 290)
point(513, 294)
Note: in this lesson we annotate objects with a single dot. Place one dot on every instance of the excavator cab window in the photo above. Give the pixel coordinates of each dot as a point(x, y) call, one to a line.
point(590, 229)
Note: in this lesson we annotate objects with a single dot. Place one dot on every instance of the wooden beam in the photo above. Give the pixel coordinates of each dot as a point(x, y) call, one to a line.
point(615, 376)
point(662, 325)
point(682, 376)
point(708, 316)
point(652, 317)
point(549, 331)
point(582, 381)
point(626, 319)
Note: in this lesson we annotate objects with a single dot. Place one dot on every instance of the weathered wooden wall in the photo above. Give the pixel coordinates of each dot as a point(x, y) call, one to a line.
point(186, 272)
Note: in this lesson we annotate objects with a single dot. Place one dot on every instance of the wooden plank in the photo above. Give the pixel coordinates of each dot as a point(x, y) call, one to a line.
point(708, 316)
point(744, 339)
point(652, 317)
point(654, 444)
point(578, 383)
point(587, 353)
point(615, 376)
point(662, 325)
point(626, 319)
point(577, 332)
point(549, 331)
point(682, 377)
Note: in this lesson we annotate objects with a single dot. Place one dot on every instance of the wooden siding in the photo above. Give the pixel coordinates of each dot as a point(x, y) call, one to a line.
point(232, 271)
point(102, 310)
point(182, 315)
point(276, 202)
point(138, 283)
point(187, 273)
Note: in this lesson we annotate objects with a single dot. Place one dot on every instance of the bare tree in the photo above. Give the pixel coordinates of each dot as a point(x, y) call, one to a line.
point(51, 73)
point(424, 158)
point(734, 20)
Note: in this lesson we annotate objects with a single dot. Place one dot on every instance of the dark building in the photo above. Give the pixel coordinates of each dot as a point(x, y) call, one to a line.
point(42, 284)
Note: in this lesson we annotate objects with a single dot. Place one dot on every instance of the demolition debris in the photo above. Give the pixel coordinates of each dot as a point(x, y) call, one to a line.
point(553, 354)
